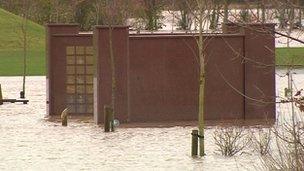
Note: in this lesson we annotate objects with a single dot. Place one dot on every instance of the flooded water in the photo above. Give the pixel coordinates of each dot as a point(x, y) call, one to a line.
point(170, 23)
point(28, 141)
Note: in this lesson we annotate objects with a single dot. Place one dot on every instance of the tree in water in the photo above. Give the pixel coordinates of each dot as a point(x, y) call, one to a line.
point(24, 31)
point(185, 20)
point(152, 13)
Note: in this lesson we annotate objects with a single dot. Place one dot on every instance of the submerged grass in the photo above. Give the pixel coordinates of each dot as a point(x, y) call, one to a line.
point(11, 63)
point(11, 60)
point(290, 56)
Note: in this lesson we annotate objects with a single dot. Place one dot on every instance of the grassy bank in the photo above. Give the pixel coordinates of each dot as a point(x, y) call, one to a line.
point(11, 54)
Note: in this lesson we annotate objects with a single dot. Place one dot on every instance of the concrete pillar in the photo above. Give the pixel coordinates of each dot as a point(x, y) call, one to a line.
point(51, 30)
point(260, 71)
point(259, 80)
point(103, 79)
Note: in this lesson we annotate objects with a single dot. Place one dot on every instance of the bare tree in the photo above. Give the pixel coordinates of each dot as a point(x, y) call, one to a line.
point(202, 74)
point(231, 140)
point(186, 18)
point(287, 152)
point(202, 11)
point(63, 11)
point(97, 12)
point(216, 7)
point(24, 33)
point(152, 14)
point(261, 140)
point(115, 14)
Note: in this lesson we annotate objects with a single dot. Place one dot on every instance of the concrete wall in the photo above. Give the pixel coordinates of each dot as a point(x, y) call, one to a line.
point(260, 72)
point(224, 77)
point(164, 78)
point(52, 29)
point(157, 75)
point(59, 37)
point(259, 69)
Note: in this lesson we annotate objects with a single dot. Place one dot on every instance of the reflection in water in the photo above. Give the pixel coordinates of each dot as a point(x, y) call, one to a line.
point(28, 141)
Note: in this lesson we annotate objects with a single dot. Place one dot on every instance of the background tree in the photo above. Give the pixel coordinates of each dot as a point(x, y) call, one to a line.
point(215, 15)
point(151, 11)
point(82, 14)
point(185, 20)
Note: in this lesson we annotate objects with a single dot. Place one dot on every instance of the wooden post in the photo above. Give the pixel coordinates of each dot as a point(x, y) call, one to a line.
point(111, 121)
point(194, 146)
point(22, 95)
point(64, 117)
point(1, 98)
point(108, 119)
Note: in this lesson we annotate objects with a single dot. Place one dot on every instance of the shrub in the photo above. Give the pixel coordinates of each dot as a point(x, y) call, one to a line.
point(230, 140)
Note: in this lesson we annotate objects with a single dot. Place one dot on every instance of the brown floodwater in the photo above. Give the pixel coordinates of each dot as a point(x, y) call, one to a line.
point(30, 141)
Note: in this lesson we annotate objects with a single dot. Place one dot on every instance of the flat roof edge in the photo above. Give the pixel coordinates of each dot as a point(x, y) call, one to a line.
point(113, 27)
point(253, 24)
point(185, 36)
point(72, 35)
point(61, 24)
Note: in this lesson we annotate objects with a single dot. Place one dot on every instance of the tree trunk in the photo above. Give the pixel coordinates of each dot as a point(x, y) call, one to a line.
point(294, 131)
point(300, 13)
point(258, 10)
point(201, 81)
point(24, 37)
point(213, 18)
point(112, 66)
point(112, 56)
point(263, 12)
point(226, 11)
point(218, 11)
point(291, 24)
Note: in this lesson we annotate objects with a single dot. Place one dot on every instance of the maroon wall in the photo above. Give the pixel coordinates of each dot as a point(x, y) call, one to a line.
point(260, 71)
point(259, 68)
point(157, 75)
point(103, 79)
point(60, 36)
point(164, 78)
point(224, 77)
point(52, 29)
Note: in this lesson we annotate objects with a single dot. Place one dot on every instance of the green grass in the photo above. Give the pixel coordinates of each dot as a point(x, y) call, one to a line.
point(290, 56)
point(11, 54)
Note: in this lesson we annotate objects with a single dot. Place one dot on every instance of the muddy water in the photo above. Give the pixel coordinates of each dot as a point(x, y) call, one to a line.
point(28, 141)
